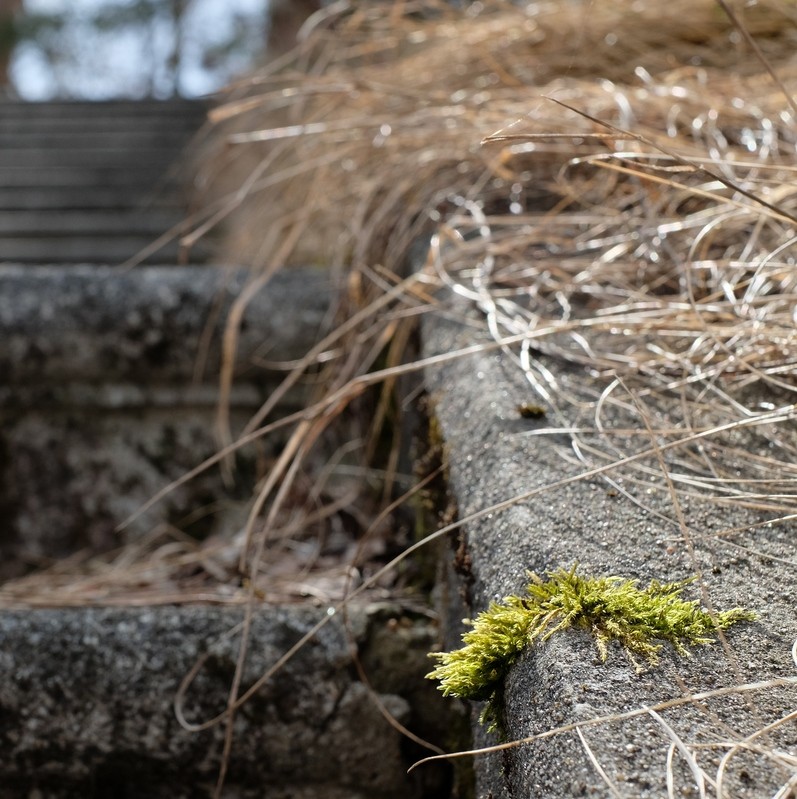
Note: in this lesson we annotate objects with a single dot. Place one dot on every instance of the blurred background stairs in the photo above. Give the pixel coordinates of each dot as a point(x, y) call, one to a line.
point(111, 345)
point(93, 182)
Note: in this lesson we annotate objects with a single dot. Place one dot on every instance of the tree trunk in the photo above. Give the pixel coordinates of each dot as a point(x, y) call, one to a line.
point(287, 16)
point(8, 36)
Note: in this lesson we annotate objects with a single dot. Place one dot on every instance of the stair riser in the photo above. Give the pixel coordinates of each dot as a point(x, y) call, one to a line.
point(81, 140)
point(92, 250)
point(92, 158)
point(146, 176)
point(110, 392)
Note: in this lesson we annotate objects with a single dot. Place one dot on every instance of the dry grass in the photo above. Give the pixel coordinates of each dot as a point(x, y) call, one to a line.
point(611, 184)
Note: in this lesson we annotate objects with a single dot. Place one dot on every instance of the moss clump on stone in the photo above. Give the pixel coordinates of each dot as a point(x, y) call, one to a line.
point(611, 608)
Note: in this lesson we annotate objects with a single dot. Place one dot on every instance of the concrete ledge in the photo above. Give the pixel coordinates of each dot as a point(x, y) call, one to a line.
point(493, 457)
point(86, 705)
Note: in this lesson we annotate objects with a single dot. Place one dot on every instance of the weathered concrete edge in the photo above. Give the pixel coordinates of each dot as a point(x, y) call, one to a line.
point(87, 702)
point(560, 682)
point(91, 323)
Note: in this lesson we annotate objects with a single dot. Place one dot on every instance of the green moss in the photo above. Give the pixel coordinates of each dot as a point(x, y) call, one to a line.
point(611, 608)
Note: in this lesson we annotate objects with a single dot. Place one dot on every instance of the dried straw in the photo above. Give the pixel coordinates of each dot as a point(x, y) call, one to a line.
point(612, 182)
point(608, 184)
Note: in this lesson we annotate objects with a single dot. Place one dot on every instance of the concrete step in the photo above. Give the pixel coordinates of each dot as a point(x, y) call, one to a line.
point(145, 176)
point(95, 222)
point(55, 322)
point(88, 138)
point(45, 163)
point(95, 249)
point(182, 124)
point(129, 123)
point(109, 391)
point(108, 157)
point(88, 704)
point(143, 110)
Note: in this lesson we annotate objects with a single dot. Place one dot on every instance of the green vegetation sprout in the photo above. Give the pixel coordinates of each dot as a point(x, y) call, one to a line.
point(611, 608)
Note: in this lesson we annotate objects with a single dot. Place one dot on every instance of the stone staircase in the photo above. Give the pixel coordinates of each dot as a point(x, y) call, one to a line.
point(89, 350)
point(108, 392)
point(102, 404)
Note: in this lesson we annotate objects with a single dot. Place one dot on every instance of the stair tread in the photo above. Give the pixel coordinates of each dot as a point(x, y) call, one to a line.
point(57, 198)
point(76, 222)
point(94, 108)
point(87, 138)
point(96, 248)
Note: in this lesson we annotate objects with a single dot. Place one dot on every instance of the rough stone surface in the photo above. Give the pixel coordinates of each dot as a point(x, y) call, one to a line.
point(110, 390)
point(492, 458)
point(87, 695)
